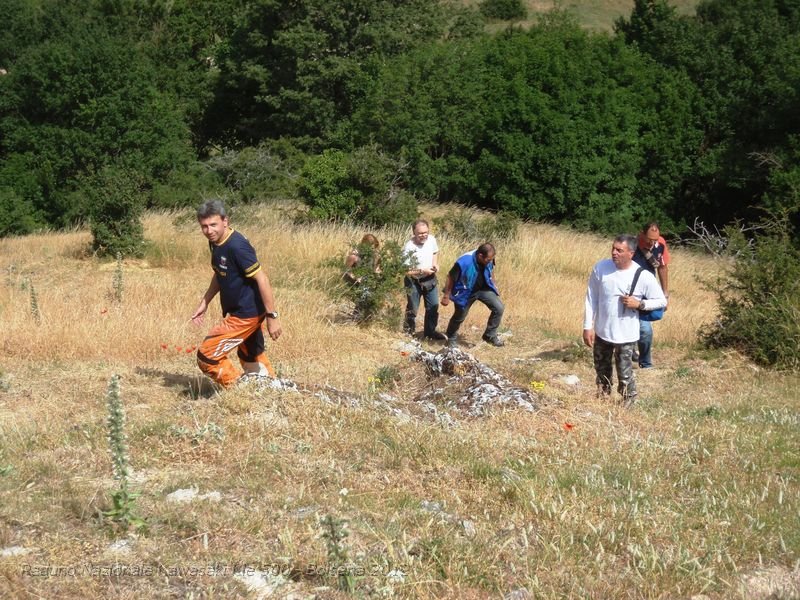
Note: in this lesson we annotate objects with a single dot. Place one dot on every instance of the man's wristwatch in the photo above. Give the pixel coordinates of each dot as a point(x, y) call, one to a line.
point(272, 315)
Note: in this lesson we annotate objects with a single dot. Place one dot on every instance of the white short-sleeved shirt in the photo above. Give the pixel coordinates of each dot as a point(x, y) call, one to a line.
point(424, 253)
point(603, 308)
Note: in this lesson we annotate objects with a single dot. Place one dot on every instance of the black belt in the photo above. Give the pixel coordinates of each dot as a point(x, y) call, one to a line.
point(424, 279)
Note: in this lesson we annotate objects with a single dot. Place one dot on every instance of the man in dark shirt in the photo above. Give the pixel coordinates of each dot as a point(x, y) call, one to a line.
point(471, 279)
point(246, 297)
point(652, 254)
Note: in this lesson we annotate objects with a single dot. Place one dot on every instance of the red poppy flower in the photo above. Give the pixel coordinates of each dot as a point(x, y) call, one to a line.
point(164, 346)
point(179, 348)
point(568, 426)
point(104, 311)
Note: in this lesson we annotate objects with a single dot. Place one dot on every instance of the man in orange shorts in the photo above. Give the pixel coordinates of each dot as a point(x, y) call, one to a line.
point(246, 298)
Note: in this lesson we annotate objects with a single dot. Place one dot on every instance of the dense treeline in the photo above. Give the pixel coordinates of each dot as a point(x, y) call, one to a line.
point(111, 106)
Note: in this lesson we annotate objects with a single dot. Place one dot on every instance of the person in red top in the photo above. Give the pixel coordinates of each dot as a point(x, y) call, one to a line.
point(247, 301)
point(651, 254)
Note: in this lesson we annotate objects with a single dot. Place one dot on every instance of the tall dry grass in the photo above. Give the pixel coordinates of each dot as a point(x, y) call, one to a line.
point(694, 491)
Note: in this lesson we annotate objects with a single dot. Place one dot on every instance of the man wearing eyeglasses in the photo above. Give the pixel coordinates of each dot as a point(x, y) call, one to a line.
point(651, 254)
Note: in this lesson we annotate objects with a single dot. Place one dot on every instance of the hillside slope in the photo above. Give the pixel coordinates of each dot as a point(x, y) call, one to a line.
point(695, 490)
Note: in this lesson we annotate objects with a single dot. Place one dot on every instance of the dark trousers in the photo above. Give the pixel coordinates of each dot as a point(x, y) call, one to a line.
point(492, 302)
point(608, 355)
point(428, 290)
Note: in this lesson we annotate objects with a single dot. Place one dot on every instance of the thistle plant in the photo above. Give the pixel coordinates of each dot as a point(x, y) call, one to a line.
point(124, 501)
point(334, 532)
point(37, 315)
point(117, 283)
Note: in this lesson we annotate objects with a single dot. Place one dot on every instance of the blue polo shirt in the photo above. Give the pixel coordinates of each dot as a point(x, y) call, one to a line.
point(235, 263)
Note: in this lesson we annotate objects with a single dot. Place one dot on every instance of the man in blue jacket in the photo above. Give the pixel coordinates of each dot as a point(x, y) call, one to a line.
point(471, 279)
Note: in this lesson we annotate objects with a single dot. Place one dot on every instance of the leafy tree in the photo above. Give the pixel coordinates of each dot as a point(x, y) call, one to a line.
point(554, 123)
point(744, 58)
point(290, 68)
point(360, 187)
point(76, 100)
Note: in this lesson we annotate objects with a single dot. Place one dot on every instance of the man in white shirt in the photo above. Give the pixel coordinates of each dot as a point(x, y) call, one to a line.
point(421, 282)
point(611, 315)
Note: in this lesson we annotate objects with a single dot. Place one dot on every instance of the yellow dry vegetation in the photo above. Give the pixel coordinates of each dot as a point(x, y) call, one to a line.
point(688, 493)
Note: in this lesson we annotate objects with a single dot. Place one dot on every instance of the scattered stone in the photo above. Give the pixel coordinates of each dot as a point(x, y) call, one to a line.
point(396, 576)
point(120, 547)
point(773, 583)
point(570, 379)
point(519, 594)
point(304, 512)
point(435, 508)
point(411, 348)
point(469, 528)
point(331, 395)
point(14, 551)
point(262, 583)
point(187, 495)
point(283, 384)
point(471, 386)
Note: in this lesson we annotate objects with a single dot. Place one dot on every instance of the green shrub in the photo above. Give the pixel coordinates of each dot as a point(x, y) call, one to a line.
point(759, 298)
point(373, 295)
point(361, 186)
point(187, 187)
point(116, 201)
point(17, 215)
point(258, 173)
point(503, 9)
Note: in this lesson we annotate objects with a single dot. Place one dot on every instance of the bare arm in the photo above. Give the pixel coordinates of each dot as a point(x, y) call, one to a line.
point(267, 297)
point(202, 307)
point(447, 288)
point(350, 262)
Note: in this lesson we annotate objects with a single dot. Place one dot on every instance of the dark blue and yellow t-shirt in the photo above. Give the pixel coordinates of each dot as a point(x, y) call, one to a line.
point(235, 262)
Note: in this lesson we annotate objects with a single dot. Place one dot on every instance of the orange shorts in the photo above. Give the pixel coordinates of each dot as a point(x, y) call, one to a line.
point(246, 335)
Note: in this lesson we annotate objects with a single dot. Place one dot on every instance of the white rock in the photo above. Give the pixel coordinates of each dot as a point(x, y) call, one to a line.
point(14, 551)
point(396, 576)
point(120, 547)
point(187, 495)
point(262, 583)
point(570, 379)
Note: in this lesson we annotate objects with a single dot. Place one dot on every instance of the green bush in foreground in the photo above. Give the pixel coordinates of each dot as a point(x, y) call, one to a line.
point(759, 299)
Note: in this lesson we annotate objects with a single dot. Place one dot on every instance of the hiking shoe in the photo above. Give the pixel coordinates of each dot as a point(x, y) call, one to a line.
point(437, 335)
point(494, 341)
point(452, 341)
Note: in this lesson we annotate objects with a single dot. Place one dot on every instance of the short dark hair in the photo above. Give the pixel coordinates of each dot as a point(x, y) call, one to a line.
point(485, 249)
point(650, 225)
point(630, 240)
point(418, 222)
point(211, 208)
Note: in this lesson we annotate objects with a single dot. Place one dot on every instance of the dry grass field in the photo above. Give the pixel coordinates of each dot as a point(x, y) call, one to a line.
point(694, 493)
point(592, 14)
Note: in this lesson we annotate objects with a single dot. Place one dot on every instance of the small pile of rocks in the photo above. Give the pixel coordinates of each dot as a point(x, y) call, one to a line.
point(463, 382)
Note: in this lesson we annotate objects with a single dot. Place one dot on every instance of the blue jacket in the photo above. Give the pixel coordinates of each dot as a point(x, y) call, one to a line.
point(462, 287)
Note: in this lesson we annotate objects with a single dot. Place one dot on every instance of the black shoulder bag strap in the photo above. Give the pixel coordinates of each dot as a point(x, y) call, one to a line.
point(635, 280)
